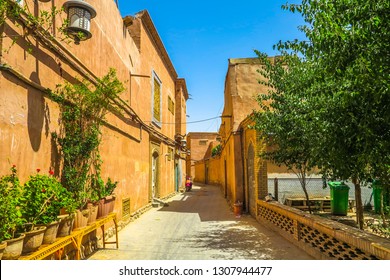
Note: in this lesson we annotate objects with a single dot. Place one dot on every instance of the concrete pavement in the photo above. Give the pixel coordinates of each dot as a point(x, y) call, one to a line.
point(198, 225)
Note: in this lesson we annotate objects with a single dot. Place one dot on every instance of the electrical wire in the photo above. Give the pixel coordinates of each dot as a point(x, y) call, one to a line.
point(205, 120)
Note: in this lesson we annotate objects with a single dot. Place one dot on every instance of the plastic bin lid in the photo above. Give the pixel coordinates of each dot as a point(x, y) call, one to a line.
point(376, 183)
point(338, 185)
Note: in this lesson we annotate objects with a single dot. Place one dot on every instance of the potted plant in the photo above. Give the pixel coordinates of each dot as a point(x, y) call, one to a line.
point(43, 197)
point(10, 216)
point(104, 194)
point(237, 208)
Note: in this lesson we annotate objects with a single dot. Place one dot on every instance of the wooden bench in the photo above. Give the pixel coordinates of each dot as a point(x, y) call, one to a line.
point(316, 203)
point(75, 238)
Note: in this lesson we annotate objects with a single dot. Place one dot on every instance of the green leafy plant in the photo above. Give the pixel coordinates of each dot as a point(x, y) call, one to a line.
point(41, 25)
point(335, 92)
point(216, 151)
point(43, 197)
point(379, 228)
point(10, 213)
point(83, 109)
point(100, 189)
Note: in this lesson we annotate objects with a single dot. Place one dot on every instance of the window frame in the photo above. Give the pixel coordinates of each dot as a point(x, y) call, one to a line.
point(158, 80)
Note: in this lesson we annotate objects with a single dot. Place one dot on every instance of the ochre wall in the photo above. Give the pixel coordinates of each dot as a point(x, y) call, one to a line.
point(28, 116)
point(198, 143)
point(241, 89)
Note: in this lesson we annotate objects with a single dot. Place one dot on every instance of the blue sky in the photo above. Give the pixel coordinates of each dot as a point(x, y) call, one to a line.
point(200, 36)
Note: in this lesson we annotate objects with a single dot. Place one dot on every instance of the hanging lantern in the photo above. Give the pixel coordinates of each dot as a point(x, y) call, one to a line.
point(80, 14)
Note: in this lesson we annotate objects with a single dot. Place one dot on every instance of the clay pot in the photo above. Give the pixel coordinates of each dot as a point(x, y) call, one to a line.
point(14, 247)
point(93, 212)
point(33, 239)
point(81, 219)
point(51, 232)
point(66, 225)
point(237, 209)
point(106, 206)
point(2, 248)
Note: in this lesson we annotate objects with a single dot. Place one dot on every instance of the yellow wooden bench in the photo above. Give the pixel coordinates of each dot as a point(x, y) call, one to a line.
point(75, 238)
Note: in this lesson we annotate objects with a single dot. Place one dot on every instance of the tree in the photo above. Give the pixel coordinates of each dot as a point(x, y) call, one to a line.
point(285, 121)
point(344, 67)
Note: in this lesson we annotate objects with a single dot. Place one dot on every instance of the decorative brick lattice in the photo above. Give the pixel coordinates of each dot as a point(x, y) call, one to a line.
point(327, 245)
point(277, 219)
point(331, 246)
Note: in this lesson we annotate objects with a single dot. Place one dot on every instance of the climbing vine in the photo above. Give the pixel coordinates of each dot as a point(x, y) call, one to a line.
point(83, 110)
point(21, 16)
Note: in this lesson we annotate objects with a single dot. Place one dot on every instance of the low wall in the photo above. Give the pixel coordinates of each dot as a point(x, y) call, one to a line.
point(320, 237)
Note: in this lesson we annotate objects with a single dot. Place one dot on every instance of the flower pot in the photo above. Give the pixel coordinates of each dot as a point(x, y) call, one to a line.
point(33, 239)
point(51, 232)
point(237, 209)
point(93, 212)
point(14, 247)
point(66, 225)
point(81, 219)
point(2, 248)
point(106, 206)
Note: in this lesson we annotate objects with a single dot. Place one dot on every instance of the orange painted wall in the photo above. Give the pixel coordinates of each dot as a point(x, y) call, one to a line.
point(27, 116)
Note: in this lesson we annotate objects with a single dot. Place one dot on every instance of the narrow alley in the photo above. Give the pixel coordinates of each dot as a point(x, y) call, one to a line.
point(198, 225)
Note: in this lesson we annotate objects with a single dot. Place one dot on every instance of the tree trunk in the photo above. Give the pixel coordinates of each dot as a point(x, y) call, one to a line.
point(302, 180)
point(382, 212)
point(359, 204)
point(307, 198)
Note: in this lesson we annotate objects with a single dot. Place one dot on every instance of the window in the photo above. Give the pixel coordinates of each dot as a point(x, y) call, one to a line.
point(156, 91)
point(202, 142)
point(171, 105)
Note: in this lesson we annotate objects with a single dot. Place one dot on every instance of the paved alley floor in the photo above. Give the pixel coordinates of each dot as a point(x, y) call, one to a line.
point(198, 225)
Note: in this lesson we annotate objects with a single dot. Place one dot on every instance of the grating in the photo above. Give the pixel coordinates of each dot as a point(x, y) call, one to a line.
point(126, 208)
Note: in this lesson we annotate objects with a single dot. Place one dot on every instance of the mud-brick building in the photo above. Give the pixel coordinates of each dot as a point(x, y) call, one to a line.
point(139, 149)
point(239, 170)
point(200, 145)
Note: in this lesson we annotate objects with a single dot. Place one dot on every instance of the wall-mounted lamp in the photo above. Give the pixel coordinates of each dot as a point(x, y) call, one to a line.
point(180, 139)
point(80, 14)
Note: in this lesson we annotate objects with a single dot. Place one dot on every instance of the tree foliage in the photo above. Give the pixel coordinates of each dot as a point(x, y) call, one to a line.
point(337, 85)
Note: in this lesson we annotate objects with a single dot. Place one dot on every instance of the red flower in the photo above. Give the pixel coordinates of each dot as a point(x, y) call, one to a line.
point(43, 190)
point(51, 172)
point(14, 165)
point(38, 170)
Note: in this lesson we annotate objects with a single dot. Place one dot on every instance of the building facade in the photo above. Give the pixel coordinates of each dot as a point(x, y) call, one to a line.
point(238, 169)
point(139, 148)
point(200, 145)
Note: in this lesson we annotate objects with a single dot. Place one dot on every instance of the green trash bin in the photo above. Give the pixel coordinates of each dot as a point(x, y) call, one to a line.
point(339, 194)
point(376, 192)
